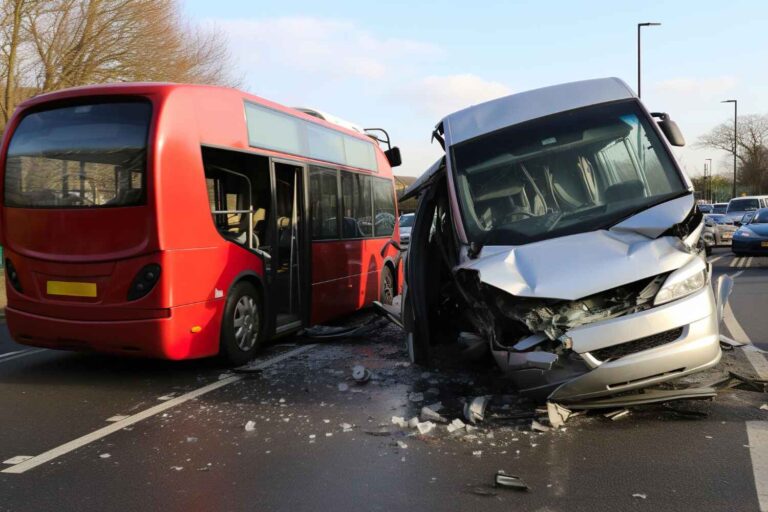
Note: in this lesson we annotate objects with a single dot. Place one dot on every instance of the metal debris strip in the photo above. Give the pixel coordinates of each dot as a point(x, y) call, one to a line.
point(327, 332)
point(510, 482)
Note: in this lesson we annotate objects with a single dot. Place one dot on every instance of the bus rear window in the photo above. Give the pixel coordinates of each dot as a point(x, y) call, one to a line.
point(80, 156)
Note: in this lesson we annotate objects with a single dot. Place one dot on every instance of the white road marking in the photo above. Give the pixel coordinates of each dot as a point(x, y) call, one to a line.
point(757, 433)
point(65, 448)
point(17, 459)
point(19, 353)
point(749, 262)
point(735, 262)
point(716, 258)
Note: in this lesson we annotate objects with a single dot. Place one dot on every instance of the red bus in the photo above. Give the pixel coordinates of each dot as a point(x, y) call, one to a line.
point(184, 221)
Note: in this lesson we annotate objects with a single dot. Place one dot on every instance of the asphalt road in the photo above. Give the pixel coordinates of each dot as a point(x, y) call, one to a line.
point(106, 434)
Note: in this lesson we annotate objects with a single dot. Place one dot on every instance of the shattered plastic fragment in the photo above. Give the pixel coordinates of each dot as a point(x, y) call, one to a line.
point(426, 427)
point(402, 445)
point(455, 425)
point(510, 481)
point(399, 421)
point(343, 386)
point(346, 427)
point(413, 422)
point(474, 411)
point(250, 426)
point(764, 407)
point(477, 453)
point(557, 414)
point(429, 414)
point(640, 495)
point(535, 425)
point(104, 456)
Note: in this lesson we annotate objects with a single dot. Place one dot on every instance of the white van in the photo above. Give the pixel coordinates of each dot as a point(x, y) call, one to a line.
point(738, 206)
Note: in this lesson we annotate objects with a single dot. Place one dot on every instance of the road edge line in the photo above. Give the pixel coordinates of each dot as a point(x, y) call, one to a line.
point(70, 446)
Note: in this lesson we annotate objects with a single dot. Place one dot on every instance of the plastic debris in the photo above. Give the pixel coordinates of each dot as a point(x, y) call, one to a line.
point(346, 427)
point(402, 445)
point(104, 456)
point(426, 427)
point(399, 421)
point(343, 386)
point(764, 407)
point(413, 422)
point(535, 425)
point(474, 411)
point(618, 414)
point(361, 374)
point(429, 414)
point(415, 396)
point(455, 425)
point(510, 481)
point(250, 426)
point(477, 453)
point(640, 495)
point(557, 414)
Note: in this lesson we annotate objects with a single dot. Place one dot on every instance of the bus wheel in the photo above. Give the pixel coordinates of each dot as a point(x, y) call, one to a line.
point(387, 285)
point(242, 324)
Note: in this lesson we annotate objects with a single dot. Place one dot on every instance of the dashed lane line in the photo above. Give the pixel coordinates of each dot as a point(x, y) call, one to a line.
point(65, 448)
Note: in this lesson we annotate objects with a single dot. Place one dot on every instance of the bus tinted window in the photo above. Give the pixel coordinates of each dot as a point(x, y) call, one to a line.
point(323, 197)
point(79, 157)
point(270, 129)
point(383, 208)
point(356, 205)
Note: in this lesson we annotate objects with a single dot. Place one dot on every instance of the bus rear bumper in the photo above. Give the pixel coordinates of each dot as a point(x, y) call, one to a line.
point(187, 332)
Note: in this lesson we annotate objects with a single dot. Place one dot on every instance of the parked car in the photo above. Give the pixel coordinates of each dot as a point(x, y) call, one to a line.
point(738, 206)
point(719, 207)
point(752, 237)
point(406, 222)
point(539, 240)
point(705, 208)
point(718, 231)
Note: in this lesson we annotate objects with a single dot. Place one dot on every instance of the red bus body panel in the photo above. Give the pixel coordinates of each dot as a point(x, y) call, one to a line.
point(181, 317)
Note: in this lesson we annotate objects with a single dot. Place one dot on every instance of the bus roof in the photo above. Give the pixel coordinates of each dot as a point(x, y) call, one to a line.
point(164, 88)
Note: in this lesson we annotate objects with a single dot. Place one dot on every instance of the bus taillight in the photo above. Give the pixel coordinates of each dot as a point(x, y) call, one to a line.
point(144, 281)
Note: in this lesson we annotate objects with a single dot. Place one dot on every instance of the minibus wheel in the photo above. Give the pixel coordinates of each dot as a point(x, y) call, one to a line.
point(387, 285)
point(241, 327)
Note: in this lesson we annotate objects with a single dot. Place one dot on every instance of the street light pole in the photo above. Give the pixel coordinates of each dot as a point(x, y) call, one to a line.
point(735, 138)
point(708, 191)
point(639, 71)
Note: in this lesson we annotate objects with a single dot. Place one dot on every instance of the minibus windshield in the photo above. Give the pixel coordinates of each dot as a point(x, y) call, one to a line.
point(79, 156)
point(563, 174)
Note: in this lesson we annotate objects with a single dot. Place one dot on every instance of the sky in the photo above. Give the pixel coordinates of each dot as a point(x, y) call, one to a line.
point(404, 65)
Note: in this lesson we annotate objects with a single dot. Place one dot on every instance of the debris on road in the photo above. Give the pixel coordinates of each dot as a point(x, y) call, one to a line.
point(402, 445)
point(250, 426)
point(104, 456)
point(430, 414)
point(557, 414)
point(326, 332)
point(416, 396)
point(346, 427)
point(764, 407)
point(343, 386)
point(510, 481)
point(425, 427)
point(474, 411)
point(617, 414)
point(538, 427)
point(399, 421)
point(361, 374)
point(455, 425)
point(640, 495)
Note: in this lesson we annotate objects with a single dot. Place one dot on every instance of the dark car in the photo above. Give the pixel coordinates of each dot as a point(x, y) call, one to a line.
point(752, 238)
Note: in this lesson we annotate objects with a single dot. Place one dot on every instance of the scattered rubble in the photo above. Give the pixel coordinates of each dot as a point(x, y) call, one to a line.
point(250, 426)
point(640, 495)
point(557, 414)
point(343, 386)
point(617, 414)
point(425, 427)
point(455, 425)
point(474, 410)
point(361, 374)
point(538, 427)
point(416, 397)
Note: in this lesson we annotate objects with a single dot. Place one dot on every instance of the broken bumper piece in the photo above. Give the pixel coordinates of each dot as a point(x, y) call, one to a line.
point(631, 352)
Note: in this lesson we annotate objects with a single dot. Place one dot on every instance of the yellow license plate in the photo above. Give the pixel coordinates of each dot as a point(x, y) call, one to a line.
point(764, 244)
point(727, 236)
point(71, 289)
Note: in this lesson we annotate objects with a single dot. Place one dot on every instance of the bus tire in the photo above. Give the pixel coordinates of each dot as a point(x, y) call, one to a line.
point(242, 324)
point(387, 290)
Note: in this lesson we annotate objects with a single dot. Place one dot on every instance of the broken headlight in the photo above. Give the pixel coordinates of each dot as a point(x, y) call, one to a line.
point(684, 281)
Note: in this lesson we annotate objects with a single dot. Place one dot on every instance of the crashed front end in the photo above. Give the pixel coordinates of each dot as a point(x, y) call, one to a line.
point(559, 235)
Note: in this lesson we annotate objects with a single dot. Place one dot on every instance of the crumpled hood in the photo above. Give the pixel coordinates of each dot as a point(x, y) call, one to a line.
point(576, 266)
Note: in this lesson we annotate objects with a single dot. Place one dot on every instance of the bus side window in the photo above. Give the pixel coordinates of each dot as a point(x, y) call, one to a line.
point(383, 207)
point(229, 196)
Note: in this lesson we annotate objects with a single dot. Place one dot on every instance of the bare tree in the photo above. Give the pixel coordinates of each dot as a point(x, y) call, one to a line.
point(53, 44)
point(752, 144)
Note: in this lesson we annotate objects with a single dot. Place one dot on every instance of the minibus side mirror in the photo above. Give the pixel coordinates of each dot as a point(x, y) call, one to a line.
point(670, 129)
point(393, 156)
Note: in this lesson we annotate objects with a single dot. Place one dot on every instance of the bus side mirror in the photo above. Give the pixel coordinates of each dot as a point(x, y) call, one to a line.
point(670, 129)
point(393, 156)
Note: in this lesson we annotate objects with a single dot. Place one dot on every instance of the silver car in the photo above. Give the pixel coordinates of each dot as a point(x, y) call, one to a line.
point(718, 230)
point(559, 235)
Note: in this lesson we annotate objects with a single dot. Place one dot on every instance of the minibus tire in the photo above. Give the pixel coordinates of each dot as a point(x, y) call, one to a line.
point(251, 312)
point(387, 282)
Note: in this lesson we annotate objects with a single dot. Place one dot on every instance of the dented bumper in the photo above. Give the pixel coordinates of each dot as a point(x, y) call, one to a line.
point(696, 348)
